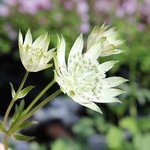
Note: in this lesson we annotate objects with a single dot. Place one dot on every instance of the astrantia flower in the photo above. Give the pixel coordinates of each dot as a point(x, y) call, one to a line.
point(82, 77)
point(35, 56)
point(106, 39)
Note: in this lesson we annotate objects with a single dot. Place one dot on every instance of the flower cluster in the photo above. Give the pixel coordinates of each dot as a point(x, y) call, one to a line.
point(81, 77)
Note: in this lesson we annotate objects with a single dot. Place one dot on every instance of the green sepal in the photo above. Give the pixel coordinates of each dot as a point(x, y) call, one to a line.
point(21, 137)
point(13, 93)
point(25, 91)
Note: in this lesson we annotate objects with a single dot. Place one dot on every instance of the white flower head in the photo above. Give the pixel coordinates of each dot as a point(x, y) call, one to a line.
point(82, 77)
point(35, 56)
point(106, 38)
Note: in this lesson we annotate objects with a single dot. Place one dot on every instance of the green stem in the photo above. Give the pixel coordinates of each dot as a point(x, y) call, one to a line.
point(5, 142)
point(44, 102)
point(39, 96)
point(14, 99)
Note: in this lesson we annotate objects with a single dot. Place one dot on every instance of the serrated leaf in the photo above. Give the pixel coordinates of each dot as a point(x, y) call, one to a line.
point(22, 137)
point(13, 93)
point(25, 91)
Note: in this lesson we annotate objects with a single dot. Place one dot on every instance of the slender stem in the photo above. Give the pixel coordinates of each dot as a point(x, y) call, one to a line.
point(44, 102)
point(22, 83)
point(8, 112)
point(14, 99)
point(5, 142)
point(39, 96)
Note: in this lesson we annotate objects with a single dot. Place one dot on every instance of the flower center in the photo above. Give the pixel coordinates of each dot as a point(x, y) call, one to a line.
point(71, 93)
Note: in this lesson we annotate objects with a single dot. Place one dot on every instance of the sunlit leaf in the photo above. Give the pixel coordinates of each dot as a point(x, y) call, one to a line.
point(115, 138)
point(130, 124)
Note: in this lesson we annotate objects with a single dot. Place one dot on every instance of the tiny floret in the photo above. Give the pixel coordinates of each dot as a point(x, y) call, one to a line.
point(82, 77)
point(35, 56)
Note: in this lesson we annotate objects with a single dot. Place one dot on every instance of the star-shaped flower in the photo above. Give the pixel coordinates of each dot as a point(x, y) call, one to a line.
point(35, 56)
point(82, 77)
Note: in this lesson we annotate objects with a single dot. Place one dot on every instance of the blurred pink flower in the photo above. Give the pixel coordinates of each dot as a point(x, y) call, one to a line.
point(68, 4)
point(11, 2)
point(84, 27)
point(84, 17)
point(120, 12)
point(102, 6)
point(12, 34)
point(28, 6)
point(140, 26)
point(128, 7)
point(43, 4)
point(4, 10)
point(82, 6)
point(33, 6)
point(82, 9)
point(145, 10)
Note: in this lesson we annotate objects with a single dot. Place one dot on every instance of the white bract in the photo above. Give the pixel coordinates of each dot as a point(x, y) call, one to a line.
point(35, 56)
point(82, 77)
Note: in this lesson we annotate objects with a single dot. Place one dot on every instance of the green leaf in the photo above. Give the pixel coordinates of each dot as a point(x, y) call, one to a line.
point(142, 141)
point(13, 93)
point(84, 127)
point(25, 91)
point(17, 114)
point(21, 137)
point(20, 108)
point(26, 125)
point(130, 124)
point(115, 138)
point(36, 146)
point(66, 144)
point(144, 124)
